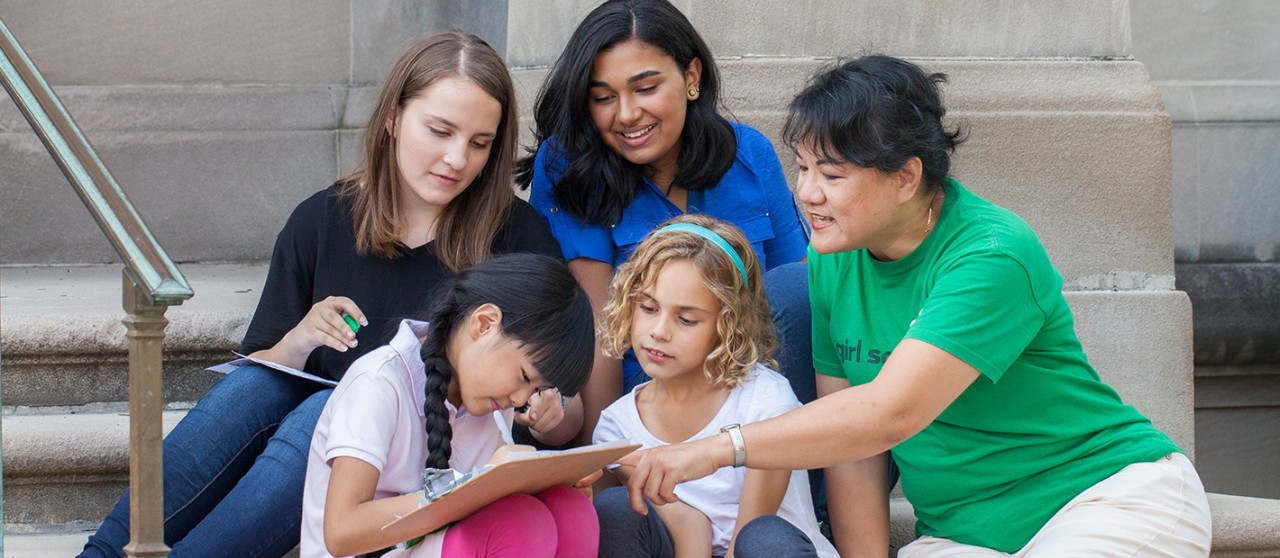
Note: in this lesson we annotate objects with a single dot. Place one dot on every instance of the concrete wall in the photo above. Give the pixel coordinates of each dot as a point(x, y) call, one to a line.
point(1217, 65)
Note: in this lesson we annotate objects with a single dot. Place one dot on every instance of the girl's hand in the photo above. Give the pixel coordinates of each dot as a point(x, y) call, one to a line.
point(585, 483)
point(500, 455)
point(323, 325)
point(546, 410)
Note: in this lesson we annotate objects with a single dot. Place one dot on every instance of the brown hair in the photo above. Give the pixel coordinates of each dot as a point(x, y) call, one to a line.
point(468, 225)
point(743, 325)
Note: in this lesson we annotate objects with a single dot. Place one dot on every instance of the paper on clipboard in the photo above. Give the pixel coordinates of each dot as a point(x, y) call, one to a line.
point(527, 472)
point(227, 367)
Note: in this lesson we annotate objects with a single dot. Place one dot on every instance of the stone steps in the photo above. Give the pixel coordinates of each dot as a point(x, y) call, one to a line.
point(67, 465)
point(65, 374)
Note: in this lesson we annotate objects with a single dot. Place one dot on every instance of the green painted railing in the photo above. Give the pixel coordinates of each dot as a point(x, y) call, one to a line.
point(152, 283)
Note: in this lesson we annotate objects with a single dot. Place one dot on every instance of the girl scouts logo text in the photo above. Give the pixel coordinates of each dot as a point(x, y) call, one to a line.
point(853, 353)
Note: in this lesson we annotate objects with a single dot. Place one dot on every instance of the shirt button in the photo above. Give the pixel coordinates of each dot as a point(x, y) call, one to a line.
point(555, 209)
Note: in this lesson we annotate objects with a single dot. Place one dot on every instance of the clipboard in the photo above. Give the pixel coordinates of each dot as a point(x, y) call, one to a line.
point(527, 472)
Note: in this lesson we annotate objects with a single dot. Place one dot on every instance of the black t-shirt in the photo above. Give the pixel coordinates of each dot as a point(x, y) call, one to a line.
point(315, 257)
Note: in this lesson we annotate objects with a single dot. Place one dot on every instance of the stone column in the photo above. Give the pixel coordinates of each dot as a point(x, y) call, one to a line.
point(1217, 66)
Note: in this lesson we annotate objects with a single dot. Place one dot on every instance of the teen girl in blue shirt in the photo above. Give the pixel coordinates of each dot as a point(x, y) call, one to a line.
point(628, 136)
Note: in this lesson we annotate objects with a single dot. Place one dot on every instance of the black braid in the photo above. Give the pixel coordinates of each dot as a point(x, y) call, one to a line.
point(439, 374)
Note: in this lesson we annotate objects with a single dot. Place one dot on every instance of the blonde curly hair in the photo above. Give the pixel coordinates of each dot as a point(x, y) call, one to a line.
point(745, 334)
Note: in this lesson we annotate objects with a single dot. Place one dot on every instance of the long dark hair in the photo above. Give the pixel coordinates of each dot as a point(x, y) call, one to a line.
point(468, 225)
point(596, 183)
point(876, 112)
point(543, 309)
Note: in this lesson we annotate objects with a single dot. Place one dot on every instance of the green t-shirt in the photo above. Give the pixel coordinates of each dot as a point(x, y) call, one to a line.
point(1038, 426)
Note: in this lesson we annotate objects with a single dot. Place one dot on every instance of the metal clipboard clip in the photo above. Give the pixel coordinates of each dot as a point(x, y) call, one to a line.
point(438, 482)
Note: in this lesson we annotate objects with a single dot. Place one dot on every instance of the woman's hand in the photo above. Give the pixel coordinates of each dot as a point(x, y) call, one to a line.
point(658, 470)
point(323, 325)
point(546, 410)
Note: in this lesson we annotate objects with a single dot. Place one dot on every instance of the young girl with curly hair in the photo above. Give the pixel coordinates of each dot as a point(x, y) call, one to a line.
point(690, 304)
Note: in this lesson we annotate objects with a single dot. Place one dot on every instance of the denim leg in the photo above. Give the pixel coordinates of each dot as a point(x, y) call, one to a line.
point(787, 287)
point(627, 534)
point(209, 450)
point(262, 515)
point(770, 536)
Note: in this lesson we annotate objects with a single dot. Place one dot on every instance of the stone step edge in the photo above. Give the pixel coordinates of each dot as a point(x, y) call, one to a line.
point(47, 445)
point(52, 310)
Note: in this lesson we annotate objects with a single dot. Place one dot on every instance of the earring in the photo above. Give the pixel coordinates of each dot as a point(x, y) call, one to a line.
point(693, 93)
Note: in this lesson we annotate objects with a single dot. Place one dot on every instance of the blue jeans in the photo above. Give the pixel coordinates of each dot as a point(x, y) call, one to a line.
point(233, 470)
point(627, 534)
point(770, 536)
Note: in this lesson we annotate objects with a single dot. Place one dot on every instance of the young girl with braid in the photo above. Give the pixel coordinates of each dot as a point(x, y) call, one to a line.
point(494, 335)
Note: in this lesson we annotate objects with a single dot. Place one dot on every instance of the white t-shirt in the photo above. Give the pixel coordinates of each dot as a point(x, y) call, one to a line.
point(376, 415)
point(763, 394)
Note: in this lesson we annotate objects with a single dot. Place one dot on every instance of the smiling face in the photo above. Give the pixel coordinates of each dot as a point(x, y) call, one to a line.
point(638, 97)
point(491, 370)
point(443, 139)
point(851, 207)
point(673, 328)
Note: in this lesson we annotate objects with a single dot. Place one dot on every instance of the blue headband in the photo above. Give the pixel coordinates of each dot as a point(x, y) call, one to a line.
point(711, 236)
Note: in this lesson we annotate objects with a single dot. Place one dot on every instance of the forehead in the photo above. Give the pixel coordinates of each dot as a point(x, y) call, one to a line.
point(460, 101)
point(630, 58)
point(811, 150)
point(680, 283)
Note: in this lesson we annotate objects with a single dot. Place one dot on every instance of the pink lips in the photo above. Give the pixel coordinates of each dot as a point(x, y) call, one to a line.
point(637, 140)
point(656, 355)
point(818, 224)
point(448, 181)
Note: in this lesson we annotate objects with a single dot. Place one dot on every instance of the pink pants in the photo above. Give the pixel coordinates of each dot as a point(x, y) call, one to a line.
point(559, 523)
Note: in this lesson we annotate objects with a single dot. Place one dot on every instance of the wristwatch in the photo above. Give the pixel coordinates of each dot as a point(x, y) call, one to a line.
point(739, 446)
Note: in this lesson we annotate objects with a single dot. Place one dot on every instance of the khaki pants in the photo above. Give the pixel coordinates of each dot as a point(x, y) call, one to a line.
point(1145, 509)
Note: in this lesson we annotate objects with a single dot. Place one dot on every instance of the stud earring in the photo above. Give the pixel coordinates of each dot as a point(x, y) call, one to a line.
point(693, 93)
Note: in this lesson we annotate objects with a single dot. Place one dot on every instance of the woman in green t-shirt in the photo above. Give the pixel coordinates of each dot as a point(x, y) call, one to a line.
point(940, 331)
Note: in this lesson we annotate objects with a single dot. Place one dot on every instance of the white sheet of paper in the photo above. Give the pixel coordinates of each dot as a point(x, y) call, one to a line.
point(227, 367)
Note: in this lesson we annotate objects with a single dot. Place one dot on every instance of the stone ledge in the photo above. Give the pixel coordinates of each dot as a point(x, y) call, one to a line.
point(64, 343)
point(82, 444)
point(66, 468)
point(1202, 102)
point(200, 108)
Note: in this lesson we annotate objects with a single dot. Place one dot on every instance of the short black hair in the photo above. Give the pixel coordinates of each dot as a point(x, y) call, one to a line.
point(597, 183)
point(875, 112)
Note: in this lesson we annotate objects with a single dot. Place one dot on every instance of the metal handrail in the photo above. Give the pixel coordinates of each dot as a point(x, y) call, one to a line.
point(145, 261)
point(151, 284)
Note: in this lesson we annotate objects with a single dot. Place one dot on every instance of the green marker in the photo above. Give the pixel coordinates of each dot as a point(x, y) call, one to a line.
point(355, 326)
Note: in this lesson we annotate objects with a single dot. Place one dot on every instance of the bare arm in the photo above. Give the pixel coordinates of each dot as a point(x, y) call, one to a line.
point(323, 325)
point(762, 494)
point(917, 383)
point(857, 496)
point(353, 519)
point(605, 384)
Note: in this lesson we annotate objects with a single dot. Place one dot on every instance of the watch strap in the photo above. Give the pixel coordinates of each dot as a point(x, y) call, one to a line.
point(739, 445)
